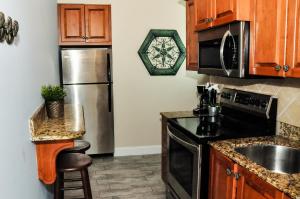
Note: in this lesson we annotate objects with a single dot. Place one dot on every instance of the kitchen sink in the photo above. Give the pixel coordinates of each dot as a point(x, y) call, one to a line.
point(279, 159)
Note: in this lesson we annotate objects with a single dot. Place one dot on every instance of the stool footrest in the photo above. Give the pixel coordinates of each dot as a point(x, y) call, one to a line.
point(71, 188)
point(73, 179)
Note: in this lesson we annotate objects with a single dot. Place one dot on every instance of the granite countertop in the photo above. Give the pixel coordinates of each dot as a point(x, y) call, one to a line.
point(70, 126)
point(289, 184)
point(176, 114)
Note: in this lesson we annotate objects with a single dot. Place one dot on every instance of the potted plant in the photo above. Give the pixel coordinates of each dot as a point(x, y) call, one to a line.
point(54, 100)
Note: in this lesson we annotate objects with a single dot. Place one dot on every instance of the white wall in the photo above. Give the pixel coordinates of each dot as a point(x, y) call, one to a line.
point(24, 66)
point(139, 97)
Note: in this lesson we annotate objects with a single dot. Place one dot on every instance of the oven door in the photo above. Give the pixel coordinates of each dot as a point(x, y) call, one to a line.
point(184, 165)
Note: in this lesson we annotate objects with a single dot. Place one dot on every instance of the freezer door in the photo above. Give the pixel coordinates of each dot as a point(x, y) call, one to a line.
point(97, 104)
point(85, 65)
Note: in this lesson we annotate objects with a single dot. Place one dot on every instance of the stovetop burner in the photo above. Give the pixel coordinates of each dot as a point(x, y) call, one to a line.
point(203, 126)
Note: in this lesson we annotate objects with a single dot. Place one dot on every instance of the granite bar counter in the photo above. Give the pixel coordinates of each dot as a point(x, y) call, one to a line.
point(70, 126)
point(54, 135)
point(287, 183)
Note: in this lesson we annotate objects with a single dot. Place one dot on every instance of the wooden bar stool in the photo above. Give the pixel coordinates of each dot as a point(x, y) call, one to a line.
point(69, 162)
point(80, 146)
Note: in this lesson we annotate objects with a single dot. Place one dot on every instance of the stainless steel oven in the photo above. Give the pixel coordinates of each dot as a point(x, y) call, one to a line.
point(188, 138)
point(224, 50)
point(184, 160)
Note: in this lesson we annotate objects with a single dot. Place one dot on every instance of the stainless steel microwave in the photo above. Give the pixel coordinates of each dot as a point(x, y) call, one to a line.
point(224, 50)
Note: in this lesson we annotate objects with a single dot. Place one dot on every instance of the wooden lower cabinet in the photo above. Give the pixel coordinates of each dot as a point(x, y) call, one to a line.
point(231, 181)
point(249, 186)
point(221, 182)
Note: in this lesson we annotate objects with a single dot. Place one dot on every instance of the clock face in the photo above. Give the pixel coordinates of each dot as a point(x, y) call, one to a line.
point(162, 52)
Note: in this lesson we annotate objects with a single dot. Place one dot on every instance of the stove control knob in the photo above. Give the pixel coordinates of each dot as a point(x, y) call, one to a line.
point(250, 100)
point(264, 104)
point(257, 102)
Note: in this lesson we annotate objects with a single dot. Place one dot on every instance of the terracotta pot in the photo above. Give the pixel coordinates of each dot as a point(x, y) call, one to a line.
point(55, 109)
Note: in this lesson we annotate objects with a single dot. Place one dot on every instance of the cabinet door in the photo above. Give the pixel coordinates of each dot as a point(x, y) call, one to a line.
point(98, 24)
point(191, 37)
point(221, 182)
point(224, 9)
point(71, 23)
point(267, 48)
point(249, 186)
point(203, 12)
point(293, 39)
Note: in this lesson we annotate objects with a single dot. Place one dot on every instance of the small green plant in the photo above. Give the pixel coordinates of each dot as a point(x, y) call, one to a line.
point(53, 93)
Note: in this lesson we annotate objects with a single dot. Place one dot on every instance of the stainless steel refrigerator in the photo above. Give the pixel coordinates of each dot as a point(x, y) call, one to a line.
point(86, 76)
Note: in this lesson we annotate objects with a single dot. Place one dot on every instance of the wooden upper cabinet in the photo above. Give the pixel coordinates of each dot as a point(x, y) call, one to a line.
point(203, 14)
point(221, 182)
point(98, 23)
point(84, 24)
point(224, 8)
point(211, 13)
point(191, 37)
point(226, 11)
point(267, 48)
point(71, 20)
point(250, 186)
point(293, 40)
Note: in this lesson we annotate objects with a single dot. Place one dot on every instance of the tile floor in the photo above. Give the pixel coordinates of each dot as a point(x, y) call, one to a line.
point(132, 177)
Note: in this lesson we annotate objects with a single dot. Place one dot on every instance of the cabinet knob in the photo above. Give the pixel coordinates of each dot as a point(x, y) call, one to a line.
point(237, 176)
point(228, 172)
point(286, 68)
point(83, 37)
point(210, 20)
point(277, 67)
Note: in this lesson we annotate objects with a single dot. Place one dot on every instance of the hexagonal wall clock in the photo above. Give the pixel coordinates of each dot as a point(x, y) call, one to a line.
point(162, 52)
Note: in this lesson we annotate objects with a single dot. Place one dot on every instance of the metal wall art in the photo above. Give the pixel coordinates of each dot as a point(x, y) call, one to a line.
point(8, 29)
point(162, 52)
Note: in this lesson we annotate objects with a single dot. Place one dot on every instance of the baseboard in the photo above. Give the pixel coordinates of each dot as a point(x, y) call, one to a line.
point(138, 150)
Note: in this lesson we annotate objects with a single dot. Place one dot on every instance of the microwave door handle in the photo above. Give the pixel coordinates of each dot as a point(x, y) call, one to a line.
point(227, 33)
point(184, 143)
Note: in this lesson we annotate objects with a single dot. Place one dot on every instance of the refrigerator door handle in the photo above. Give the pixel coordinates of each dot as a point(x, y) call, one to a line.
point(108, 68)
point(109, 97)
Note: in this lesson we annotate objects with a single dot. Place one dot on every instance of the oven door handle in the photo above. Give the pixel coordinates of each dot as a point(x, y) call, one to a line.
point(181, 141)
point(227, 33)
